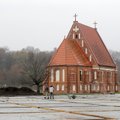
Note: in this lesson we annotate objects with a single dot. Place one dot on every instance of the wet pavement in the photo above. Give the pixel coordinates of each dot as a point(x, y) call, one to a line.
point(84, 107)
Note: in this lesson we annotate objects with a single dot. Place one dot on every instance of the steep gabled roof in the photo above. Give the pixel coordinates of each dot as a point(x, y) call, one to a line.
point(69, 53)
point(97, 46)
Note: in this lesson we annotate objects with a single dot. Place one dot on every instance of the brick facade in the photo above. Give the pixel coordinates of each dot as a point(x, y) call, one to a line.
point(78, 79)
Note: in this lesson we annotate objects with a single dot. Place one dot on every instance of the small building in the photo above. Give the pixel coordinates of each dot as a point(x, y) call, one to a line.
point(82, 63)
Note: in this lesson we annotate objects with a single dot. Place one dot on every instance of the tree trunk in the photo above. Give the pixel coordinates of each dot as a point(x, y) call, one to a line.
point(38, 89)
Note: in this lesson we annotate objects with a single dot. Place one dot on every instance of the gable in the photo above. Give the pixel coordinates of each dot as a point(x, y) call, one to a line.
point(93, 42)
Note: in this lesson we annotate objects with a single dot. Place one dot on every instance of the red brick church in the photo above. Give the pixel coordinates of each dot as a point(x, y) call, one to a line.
point(82, 63)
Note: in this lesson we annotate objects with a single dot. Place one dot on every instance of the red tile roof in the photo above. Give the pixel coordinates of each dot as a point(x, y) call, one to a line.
point(96, 45)
point(69, 53)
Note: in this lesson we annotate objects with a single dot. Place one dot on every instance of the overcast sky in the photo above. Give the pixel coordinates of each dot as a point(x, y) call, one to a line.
point(44, 23)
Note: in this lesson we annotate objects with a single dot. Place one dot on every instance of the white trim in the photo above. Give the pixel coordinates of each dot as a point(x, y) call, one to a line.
point(95, 75)
point(74, 88)
point(57, 75)
point(79, 36)
point(76, 29)
point(57, 87)
point(81, 88)
point(88, 87)
point(63, 75)
point(85, 87)
point(82, 42)
point(104, 68)
point(63, 87)
point(73, 36)
point(86, 51)
point(90, 58)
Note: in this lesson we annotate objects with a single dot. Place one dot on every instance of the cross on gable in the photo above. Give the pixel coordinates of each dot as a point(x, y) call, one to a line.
point(95, 24)
point(76, 29)
point(75, 16)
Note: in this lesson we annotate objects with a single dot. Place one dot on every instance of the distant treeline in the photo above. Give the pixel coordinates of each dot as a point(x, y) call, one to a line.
point(26, 68)
point(116, 57)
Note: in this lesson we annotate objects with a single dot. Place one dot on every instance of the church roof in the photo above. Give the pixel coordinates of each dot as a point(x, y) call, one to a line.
point(95, 43)
point(71, 53)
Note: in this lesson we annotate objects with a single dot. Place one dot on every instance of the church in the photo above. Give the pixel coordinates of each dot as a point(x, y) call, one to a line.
point(82, 63)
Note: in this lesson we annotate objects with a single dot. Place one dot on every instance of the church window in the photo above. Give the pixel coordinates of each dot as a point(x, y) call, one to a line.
point(95, 75)
point(80, 87)
point(88, 87)
point(79, 35)
point(85, 87)
point(62, 87)
point(73, 36)
point(80, 75)
point(57, 75)
point(82, 43)
point(76, 36)
point(57, 87)
point(63, 75)
point(98, 87)
point(86, 50)
point(90, 58)
point(52, 75)
point(74, 88)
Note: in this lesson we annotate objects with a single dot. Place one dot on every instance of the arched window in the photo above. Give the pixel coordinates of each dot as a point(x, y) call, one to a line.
point(74, 88)
point(85, 87)
point(57, 75)
point(81, 72)
point(63, 75)
point(62, 87)
point(52, 75)
point(81, 88)
point(57, 88)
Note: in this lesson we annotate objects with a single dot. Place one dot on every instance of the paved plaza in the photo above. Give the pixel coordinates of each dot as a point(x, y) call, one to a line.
point(84, 107)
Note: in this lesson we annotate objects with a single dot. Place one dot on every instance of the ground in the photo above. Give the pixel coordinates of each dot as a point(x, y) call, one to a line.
point(84, 107)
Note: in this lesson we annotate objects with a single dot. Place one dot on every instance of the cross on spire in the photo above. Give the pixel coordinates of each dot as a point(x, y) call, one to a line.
point(75, 16)
point(95, 24)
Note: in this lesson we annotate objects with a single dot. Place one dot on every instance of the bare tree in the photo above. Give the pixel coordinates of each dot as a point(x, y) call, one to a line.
point(34, 67)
